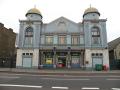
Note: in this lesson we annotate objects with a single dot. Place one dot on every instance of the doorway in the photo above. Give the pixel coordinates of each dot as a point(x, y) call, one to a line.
point(61, 62)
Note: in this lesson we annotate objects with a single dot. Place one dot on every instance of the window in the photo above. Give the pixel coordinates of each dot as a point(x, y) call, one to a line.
point(93, 54)
point(81, 39)
point(75, 40)
point(28, 37)
point(62, 39)
point(101, 54)
point(27, 53)
point(23, 54)
point(95, 35)
point(49, 40)
point(29, 32)
point(97, 54)
point(28, 41)
point(31, 54)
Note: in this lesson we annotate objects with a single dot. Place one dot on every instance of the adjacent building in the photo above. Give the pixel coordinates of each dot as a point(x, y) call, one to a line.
point(7, 47)
point(114, 53)
point(62, 43)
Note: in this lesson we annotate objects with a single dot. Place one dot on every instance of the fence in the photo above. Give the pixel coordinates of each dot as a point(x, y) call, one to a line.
point(115, 64)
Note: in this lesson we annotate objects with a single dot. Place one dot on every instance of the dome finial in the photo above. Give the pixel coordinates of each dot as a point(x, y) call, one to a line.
point(90, 5)
point(35, 6)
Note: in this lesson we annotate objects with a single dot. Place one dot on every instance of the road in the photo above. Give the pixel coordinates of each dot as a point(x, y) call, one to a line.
point(12, 81)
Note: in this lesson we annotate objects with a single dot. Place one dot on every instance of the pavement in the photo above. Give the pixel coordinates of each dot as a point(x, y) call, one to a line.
point(59, 71)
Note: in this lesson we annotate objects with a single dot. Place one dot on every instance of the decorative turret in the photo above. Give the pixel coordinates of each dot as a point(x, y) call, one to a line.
point(91, 13)
point(34, 14)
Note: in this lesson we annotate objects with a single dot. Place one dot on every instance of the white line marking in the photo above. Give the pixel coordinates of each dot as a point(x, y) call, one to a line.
point(92, 88)
point(60, 87)
point(113, 79)
point(8, 77)
point(61, 75)
point(116, 88)
point(10, 85)
point(63, 79)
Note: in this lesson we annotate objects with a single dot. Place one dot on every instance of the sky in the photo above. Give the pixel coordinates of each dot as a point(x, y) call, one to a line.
point(11, 11)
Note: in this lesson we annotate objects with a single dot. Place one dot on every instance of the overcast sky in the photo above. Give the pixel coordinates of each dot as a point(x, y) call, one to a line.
point(13, 10)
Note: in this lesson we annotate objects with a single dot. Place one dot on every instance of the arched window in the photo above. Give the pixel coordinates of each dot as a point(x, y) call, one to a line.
point(29, 32)
point(95, 35)
point(28, 37)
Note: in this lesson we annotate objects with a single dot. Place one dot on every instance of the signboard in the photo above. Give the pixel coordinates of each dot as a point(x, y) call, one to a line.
point(75, 54)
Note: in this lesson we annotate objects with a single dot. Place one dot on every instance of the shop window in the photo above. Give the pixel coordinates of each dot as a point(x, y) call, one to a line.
point(48, 58)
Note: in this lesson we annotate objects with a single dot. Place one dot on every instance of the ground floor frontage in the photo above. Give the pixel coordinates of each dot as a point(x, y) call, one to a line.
point(35, 58)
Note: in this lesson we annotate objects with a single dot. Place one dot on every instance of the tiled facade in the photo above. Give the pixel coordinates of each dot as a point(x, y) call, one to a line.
point(62, 42)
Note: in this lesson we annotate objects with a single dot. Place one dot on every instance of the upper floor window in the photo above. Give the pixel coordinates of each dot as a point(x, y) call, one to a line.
point(62, 40)
point(29, 32)
point(28, 37)
point(95, 35)
point(49, 40)
point(95, 32)
point(75, 40)
point(81, 39)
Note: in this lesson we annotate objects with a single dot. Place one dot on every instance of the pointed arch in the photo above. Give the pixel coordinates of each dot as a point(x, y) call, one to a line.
point(28, 42)
point(29, 32)
point(95, 34)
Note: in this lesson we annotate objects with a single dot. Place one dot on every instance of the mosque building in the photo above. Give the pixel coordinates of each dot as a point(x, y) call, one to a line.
point(62, 43)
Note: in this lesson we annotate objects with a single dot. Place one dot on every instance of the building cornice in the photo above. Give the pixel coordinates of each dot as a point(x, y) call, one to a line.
point(94, 21)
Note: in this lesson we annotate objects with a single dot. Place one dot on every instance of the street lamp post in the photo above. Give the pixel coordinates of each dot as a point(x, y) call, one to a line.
point(69, 49)
point(54, 57)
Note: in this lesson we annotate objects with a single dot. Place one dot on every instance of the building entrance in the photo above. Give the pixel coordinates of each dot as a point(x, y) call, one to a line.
point(61, 62)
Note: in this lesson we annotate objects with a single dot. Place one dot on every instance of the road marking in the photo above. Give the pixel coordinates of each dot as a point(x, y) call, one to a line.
point(116, 88)
point(64, 79)
point(91, 88)
point(113, 79)
point(62, 75)
point(11, 85)
point(60, 87)
point(8, 77)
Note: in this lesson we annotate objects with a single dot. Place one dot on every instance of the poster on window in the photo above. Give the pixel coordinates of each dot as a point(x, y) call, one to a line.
point(75, 60)
point(48, 60)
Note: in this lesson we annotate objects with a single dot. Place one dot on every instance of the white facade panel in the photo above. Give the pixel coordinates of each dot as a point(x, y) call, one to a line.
point(88, 57)
point(97, 60)
point(19, 58)
point(27, 62)
point(35, 58)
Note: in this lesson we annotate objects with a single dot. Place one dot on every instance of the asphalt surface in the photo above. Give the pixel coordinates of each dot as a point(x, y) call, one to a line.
point(13, 81)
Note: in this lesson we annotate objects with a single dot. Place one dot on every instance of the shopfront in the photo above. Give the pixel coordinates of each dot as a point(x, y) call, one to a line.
point(48, 57)
point(75, 59)
point(61, 57)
